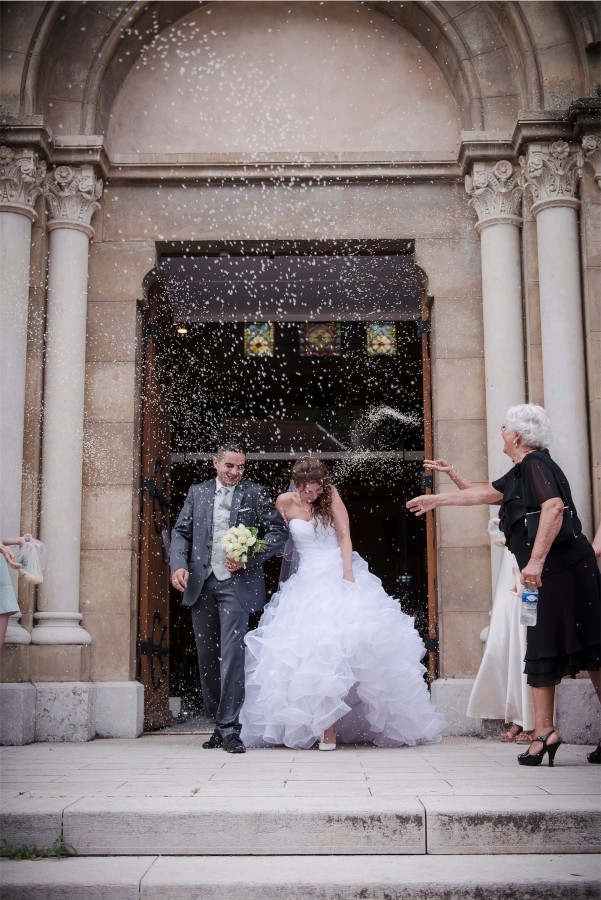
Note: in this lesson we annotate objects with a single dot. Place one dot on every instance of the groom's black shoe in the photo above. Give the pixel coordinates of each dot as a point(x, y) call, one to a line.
point(233, 744)
point(214, 741)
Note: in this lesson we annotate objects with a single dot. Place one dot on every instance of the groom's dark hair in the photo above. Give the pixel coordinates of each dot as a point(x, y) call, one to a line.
point(229, 447)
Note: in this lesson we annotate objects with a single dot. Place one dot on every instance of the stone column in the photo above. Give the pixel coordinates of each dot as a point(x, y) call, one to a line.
point(21, 178)
point(496, 196)
point(550, 176)
point(72, 196)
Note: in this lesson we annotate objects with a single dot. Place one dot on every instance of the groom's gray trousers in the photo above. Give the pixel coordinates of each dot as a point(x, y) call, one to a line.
point(220, 659)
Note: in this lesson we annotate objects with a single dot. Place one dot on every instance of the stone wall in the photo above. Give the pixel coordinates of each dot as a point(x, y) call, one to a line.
point(111, 474)
point(435, 216)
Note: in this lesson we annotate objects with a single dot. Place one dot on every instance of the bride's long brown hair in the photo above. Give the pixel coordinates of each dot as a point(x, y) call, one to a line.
point(307, 469)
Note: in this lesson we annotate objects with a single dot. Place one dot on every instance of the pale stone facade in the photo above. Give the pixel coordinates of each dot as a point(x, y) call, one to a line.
point(464, 127)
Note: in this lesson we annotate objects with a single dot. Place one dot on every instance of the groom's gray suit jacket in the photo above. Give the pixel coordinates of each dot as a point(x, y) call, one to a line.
point(192, 535)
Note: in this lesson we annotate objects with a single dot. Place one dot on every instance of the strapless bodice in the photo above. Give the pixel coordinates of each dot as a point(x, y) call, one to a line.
point(313, 542)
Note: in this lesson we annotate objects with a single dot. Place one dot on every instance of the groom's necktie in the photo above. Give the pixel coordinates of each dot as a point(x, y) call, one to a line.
point(221, 523)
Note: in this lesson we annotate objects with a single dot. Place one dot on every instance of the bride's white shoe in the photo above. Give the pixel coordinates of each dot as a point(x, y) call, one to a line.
point(331, 743)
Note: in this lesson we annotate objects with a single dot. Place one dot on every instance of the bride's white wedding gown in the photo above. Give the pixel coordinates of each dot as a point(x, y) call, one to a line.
point(331, 651)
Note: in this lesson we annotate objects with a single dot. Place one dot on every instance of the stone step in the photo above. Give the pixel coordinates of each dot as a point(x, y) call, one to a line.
point(542, 877)
point(206, 825)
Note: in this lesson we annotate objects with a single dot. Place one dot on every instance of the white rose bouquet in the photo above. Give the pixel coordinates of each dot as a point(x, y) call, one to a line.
point(241, 542)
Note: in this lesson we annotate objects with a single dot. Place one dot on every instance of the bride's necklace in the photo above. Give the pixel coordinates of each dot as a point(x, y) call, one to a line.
point(304, 508)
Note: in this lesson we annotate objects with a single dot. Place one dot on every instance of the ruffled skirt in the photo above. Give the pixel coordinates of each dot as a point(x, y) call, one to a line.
point(328, 651)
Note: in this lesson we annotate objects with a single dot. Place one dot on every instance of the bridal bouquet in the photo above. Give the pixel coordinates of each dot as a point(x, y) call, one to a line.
point(241, 542)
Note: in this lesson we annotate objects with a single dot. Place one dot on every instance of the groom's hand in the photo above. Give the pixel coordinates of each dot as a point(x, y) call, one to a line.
point(179, 579)
point(232, 564)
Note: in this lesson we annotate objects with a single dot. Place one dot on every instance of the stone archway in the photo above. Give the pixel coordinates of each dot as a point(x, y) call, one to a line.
point(476, 49)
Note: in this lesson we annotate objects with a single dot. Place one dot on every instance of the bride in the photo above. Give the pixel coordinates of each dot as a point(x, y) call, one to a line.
point(333, 656)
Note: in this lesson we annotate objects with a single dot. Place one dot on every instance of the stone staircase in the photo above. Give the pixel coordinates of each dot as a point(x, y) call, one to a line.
point(361, 823)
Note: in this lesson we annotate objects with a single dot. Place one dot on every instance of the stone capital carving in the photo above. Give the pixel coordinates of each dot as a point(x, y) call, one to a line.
point(591, 145)
point(550, 174)
point(495, 193)
point(72, 195)
point(21, 179)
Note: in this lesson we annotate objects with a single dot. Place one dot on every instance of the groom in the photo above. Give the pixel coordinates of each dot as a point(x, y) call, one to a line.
point(221, 592)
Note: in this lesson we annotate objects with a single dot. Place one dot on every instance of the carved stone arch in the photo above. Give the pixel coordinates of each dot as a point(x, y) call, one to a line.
point(516, 31)
point(586, 25)
point(31, 69)
point(433, 28)
point(84, 53)
point(81, 53)
point(112, 51)
point(101, 49)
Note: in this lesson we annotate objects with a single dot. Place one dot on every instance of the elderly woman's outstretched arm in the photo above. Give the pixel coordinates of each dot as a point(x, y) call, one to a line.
point(441, 465)
point(473, 496)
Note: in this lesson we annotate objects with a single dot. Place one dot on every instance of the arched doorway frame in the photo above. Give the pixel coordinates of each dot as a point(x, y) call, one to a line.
point(153, 648)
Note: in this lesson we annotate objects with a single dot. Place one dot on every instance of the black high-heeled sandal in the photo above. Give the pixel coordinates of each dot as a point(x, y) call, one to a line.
point(535, 759)
point(595, 756)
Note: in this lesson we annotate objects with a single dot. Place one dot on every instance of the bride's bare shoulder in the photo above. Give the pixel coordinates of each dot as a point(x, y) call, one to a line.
point(286, 497)
point(285, 501)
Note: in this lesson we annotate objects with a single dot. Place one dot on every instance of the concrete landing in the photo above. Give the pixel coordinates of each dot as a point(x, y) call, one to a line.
point(165, 818)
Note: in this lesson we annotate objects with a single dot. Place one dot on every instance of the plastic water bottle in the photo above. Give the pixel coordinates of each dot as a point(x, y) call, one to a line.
point(529, 607)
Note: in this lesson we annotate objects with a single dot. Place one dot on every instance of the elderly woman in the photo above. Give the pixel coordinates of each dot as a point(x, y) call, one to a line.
point(567, 636)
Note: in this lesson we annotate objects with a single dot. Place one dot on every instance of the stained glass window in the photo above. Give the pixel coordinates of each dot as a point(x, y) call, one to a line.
point(321, 339)
point(258, 339)
point(381, 339)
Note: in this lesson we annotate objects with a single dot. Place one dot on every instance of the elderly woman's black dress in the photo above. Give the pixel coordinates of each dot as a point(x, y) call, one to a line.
point(567, 636)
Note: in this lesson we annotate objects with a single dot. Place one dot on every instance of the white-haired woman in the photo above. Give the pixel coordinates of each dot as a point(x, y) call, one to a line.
point(567, 636)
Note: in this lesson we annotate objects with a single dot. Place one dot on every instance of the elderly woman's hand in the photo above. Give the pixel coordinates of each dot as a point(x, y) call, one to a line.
point(422, 504)
point(439, 465)
point(530, 575)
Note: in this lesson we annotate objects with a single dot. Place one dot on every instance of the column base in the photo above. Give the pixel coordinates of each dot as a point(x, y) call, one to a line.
point(71, 711)
point(15, 633)
point(59, 628)
point(577, 710)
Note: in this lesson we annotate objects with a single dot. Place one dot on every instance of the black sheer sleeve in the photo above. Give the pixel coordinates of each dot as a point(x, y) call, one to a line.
point(501, 483)
point(542, 481)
